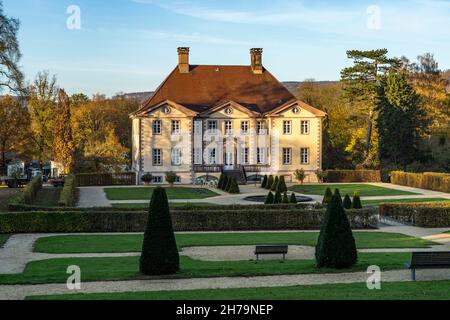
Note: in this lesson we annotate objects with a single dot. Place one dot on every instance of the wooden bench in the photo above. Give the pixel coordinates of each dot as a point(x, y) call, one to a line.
point(261, 250)
point(428, 260)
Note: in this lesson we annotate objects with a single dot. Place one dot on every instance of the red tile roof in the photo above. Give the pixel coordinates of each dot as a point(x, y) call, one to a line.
point(206, 86)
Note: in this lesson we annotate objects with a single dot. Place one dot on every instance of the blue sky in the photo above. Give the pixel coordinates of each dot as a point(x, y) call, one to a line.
point(130, 45)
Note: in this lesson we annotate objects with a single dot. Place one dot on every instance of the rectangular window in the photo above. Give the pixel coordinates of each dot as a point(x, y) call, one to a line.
point(261, 128)
point(228, 127)
point(178, 179)
point(176, 127)
point(304, 156)
point(158, 179)
point(261, 155)
point(287, 156)
point(287, 127)
point(197, 156)
point(176, 157)
point(157, 127)
point(157, 157)
point(244, 127)
point(212, 127)
point(304, 127)
point(245, 156)
point(212, 156)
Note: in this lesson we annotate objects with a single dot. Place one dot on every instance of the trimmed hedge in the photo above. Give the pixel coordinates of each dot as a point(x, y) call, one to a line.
point(68, 193)
point(28, 195)
point(426, 215)
point(428, 180)
point(353, 176)
point(106, 179)
point(190, 220)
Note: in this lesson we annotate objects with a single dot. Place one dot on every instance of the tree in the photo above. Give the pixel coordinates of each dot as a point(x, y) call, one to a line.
point(300, 175)
point(336, 246)
point(361, 82)
point(281, 186)
point(275, 184)
point(400, 121)
point(14, 126)
point(221, 180)
point(63, 142)
point(41, 106)
point(159, 250)
point(234, 187)
point(278, 198)
point(171, 178)
point(347, 202)
point(270, 198)
point(11, 77)
point(327, 197)
point(269, 183)
point(356, 204)
point(285, 198)
point(293, 198)
point(264, 182)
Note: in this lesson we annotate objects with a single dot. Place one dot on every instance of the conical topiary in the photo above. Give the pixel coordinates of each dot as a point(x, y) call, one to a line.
point(293, 198)
point(234, 188)
point(275, 184)
point(221, 180)
point(159, 250)
point(281, 185)
point(264, 182)
point(228, 186)
point(347, 204)
point(327, 197)
point(270, 198)
point(225, 182)
point(278, 198)
point(269, 182)
point(336, 246)
point(338, 194)
point(285, 198)
point(356, 201)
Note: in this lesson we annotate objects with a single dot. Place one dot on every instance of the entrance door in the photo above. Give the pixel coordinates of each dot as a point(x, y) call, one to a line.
point(229, 161)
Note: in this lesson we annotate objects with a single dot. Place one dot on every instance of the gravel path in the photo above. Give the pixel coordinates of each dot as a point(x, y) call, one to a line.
point(90, 197)
point(22, 291)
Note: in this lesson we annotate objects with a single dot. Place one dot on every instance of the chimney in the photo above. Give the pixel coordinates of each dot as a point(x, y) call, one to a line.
point(183, 59)
point(256, 55)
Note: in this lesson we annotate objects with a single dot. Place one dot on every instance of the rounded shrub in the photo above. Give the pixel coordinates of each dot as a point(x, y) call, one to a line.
point(159, 250)
point(270, 198)
point(336, 246)
point(356, 201)
point(347, 202)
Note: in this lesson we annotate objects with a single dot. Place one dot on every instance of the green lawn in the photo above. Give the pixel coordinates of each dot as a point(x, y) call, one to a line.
point(48, 197)
point(133, 243)
point(127, 268)
point(172, 205)
point(430, 290)
point(364, 190)
point(371, 203)
point(3, 239)
point(145, 193)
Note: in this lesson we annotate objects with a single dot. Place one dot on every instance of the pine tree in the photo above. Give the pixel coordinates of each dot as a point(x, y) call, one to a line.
point(285, 198)
point(270, 198)
point(275, 184)
point(264, 182)
point(336, 246)
point(159, 250)
point(327, 197)
point(293, 198)
point(278, 198)
point(281, 186)
point(356, 201)
point(221, 180)
point(347, 202)
point(234, 188)
point(269, 182)
point(63, 142)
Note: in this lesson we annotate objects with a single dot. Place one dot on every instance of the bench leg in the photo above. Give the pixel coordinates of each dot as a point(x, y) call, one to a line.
point(257, 257)
point(413, 274)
